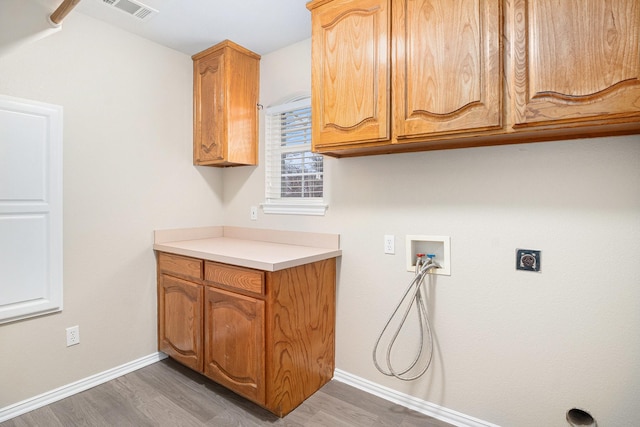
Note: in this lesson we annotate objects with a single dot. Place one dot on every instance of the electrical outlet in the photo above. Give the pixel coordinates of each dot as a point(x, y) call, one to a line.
point(528, 260)
point(253, 213)
point(389, 244)
point(73, 335)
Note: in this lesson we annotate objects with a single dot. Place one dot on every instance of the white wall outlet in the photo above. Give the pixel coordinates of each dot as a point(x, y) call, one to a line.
point(253, 213)
point(389, 244)
point(73, 335)
point(440, 246)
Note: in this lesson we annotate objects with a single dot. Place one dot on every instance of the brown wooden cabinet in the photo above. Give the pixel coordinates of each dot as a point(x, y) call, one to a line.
point(411, 75)
point(225, 111)
point(268, 336)
point(446, 63)
point(576, 62)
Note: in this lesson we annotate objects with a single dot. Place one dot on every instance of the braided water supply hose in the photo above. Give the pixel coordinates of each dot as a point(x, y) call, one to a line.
point(414, 292)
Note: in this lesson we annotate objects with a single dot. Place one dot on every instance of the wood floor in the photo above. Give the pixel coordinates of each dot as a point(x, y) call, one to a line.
point(167, 394)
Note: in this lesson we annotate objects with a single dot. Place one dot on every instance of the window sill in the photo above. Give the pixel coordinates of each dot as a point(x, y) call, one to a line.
point(318, 209)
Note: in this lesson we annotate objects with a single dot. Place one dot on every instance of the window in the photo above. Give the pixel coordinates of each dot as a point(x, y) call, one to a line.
point(294, 175)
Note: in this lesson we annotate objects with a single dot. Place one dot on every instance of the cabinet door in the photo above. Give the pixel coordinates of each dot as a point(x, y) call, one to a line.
point(448, 69)
point(234, 342)
point(350, 72)
point(576, 61)
point(209, 114)
point(180, 320)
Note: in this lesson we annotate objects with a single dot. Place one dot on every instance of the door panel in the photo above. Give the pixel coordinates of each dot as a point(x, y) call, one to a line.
point(576, 60)
point(350, 72)
point(210, 114)
point(448, 72)
point(235, 343)
point(180, 321)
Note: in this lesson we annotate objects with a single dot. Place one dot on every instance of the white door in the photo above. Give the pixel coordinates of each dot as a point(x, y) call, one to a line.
point(30, 208)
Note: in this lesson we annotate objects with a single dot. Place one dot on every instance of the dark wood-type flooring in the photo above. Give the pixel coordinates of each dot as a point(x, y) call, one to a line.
point(168, 394)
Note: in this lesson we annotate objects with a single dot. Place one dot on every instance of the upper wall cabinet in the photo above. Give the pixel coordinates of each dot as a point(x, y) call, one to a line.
point(576, 61)
point(351, 74)
point(225, 114)
point(446, 62)
point(410, 75)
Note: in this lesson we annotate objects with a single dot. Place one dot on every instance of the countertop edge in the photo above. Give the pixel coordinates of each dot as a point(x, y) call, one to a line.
point(228, 245)
point(246, 262)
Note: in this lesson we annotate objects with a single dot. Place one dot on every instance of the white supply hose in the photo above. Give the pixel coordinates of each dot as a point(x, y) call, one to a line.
point(415, 290)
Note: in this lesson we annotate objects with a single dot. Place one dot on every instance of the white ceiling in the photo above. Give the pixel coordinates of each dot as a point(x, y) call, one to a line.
point(191, 26)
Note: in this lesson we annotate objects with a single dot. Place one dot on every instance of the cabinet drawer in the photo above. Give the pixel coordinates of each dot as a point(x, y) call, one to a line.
point(180, 265)
point(235, 277)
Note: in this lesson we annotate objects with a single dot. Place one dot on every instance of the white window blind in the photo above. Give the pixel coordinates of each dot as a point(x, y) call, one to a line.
point(294, 175)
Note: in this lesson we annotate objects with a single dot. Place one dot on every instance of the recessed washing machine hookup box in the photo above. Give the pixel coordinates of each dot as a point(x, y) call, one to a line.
point(440, 246)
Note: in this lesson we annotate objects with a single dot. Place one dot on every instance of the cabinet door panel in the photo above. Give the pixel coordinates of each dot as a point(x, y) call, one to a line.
point(180, 320)
point(210, 130)
point(350, 72)
point(576, 60)
point(234, 342)
point(448, 72)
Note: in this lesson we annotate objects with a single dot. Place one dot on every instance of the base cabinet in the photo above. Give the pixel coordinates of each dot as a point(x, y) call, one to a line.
point(268, 336)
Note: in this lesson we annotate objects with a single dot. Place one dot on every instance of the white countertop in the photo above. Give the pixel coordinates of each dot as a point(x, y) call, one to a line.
point(268, 250)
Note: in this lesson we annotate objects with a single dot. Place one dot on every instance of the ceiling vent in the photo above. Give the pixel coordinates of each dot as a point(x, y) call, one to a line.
point(132, 8)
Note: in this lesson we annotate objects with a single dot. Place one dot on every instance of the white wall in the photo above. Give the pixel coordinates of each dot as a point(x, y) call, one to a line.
point(513, 348)
point(127, 171)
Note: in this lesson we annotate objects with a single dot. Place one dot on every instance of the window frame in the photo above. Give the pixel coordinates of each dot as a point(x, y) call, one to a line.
point(287, 205)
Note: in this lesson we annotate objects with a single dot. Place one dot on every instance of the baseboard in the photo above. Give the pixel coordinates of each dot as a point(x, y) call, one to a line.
point(60, 393)
point(422, 406)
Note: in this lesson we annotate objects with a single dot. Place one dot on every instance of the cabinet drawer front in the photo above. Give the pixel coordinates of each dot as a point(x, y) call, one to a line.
point(181, 265)
point(235, 277)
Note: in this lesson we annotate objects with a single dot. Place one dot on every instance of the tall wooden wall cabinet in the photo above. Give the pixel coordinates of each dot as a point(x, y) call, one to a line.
point(411, 75)
point(225, 106)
